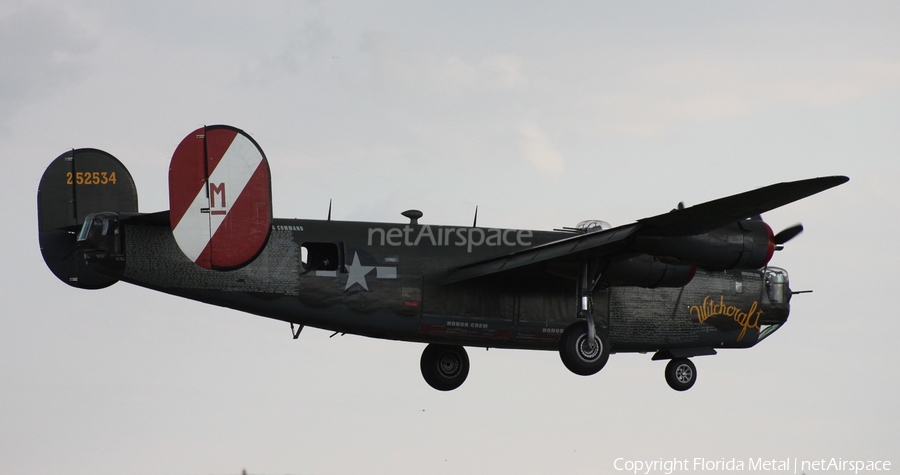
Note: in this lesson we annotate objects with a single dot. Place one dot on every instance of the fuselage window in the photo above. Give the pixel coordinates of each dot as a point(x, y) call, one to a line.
point(320, 256)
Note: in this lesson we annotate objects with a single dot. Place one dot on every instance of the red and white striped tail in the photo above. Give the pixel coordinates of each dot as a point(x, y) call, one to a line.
point(220, 198)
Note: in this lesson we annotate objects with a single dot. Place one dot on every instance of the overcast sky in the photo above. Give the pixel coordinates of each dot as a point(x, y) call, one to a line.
point(540, 114)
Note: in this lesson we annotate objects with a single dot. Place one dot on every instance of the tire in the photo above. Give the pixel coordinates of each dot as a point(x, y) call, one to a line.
point(444, 367)
point(577, 355)
point(681, 374)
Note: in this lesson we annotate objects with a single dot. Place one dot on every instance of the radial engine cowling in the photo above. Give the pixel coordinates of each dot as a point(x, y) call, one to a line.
point(743, 245)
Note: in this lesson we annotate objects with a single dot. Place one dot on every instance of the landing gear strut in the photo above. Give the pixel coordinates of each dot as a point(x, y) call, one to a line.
point(444, 367)
point(583, 347)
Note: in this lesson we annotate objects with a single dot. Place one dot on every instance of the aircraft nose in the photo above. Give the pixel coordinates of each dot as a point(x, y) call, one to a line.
point(774, 314)
point(777, 296)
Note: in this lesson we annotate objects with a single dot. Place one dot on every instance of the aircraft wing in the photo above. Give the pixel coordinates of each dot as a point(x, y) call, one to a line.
point(695, 220)
point(717, 213)
point(579, 247)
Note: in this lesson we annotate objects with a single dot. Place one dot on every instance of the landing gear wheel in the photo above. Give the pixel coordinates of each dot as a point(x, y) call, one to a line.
point(444, 367)
point(681, 374)
point(578, 355)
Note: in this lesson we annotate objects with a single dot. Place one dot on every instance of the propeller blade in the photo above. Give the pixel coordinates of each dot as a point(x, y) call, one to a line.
point(788, 234)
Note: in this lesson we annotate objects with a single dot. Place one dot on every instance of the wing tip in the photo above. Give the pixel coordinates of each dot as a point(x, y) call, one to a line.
point(825, 182)
point(836, 179)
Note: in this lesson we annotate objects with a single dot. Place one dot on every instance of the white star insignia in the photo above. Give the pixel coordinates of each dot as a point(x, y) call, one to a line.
point(356, 273)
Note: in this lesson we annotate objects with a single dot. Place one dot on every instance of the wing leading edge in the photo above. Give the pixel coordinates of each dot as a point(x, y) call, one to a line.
point(690, 221)
point(576, 248)
point(714, 214)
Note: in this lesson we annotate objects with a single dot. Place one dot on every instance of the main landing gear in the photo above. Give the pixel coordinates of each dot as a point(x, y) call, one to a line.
point(445, 367)
point(583, 347)
point(581, 355)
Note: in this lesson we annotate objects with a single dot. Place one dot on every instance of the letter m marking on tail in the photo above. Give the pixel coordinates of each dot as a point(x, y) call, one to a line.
point(217, 191)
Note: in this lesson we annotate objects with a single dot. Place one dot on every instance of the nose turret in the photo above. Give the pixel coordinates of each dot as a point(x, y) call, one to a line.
point(776, 297)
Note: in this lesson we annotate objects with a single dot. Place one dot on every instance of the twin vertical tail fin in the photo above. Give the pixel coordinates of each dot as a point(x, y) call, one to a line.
point(220, 197)
point(76, 185)
point(220, 202)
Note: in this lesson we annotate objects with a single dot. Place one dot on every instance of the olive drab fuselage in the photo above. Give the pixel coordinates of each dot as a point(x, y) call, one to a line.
point(393, 289)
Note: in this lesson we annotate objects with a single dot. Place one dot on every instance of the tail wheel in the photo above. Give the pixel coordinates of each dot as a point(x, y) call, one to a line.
point(444, 367)
point(578, 354)
point(681, 374)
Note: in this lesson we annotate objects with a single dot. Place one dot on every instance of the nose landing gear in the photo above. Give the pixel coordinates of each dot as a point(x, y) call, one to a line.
point(681, 374)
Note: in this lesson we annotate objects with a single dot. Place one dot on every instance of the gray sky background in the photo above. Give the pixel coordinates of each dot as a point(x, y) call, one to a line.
point(542, 115)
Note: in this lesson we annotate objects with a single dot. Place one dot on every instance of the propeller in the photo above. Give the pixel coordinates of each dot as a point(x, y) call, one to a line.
point(786, 235)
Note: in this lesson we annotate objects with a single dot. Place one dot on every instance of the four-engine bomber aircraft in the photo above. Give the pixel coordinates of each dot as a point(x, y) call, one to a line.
point(680, 284)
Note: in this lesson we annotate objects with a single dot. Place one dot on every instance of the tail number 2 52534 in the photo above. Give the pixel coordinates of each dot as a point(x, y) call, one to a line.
point(91, 178)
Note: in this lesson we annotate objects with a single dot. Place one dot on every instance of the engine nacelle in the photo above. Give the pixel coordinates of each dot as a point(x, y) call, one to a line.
point(647, 271)
point(742, 245)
